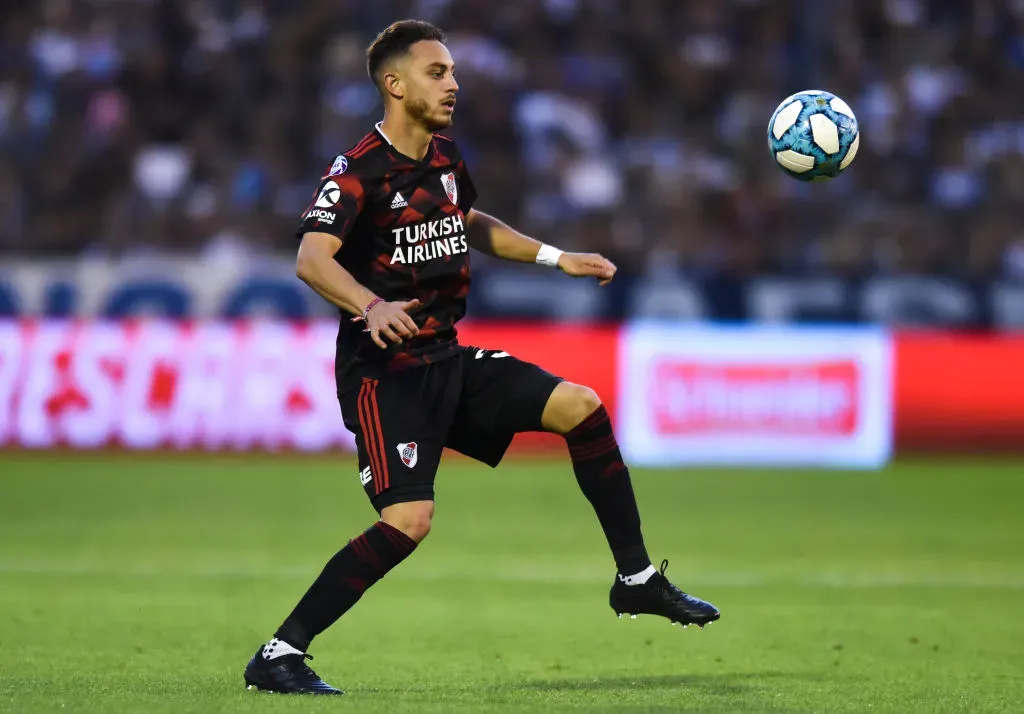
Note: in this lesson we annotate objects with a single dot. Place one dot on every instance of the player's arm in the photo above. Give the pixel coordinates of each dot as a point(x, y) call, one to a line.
point(325, 224)
point(489, 235)
point(316, 266)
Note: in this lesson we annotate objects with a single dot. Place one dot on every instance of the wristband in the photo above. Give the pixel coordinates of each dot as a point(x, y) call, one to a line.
point(366, 310)
point(548, 255)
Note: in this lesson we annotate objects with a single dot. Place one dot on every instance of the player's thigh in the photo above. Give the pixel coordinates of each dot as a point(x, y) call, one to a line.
point(501, 396)
point(400, 426)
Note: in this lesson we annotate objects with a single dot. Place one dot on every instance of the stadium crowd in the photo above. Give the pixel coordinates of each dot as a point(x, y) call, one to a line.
point(631, 127)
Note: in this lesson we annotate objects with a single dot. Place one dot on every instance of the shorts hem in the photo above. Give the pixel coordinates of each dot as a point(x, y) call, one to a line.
point(393, 496)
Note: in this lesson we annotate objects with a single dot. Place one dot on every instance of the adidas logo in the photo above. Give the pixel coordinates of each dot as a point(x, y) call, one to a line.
point(398, 201)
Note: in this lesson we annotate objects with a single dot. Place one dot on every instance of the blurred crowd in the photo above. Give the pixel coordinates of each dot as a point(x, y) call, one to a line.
point(631, 127)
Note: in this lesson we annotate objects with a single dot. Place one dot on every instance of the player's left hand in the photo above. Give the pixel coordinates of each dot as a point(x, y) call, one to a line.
point(587, 265)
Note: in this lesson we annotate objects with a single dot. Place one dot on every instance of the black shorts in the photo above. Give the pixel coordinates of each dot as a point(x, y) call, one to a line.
point(473, 403)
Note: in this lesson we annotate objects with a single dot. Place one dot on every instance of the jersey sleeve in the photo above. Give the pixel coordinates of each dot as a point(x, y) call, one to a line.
point(336, 203)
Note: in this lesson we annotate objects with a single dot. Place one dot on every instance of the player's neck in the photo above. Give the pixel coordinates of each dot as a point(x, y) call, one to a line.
point(408, 138)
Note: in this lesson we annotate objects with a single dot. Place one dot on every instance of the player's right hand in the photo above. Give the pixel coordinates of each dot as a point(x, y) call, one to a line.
point(391, 320)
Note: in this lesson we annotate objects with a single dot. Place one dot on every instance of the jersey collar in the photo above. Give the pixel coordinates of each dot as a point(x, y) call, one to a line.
point(425, 160)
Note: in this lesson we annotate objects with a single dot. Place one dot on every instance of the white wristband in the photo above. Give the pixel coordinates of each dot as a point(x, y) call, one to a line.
point(548, 255)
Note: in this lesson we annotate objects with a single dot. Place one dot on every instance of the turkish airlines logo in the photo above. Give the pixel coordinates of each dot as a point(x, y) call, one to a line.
point(796, 399)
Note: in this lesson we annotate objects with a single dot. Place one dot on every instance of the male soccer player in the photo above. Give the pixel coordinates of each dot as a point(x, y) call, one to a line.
point(386, 239)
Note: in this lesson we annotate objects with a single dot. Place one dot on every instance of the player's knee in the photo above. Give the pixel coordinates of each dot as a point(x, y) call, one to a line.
point(413, 518)
point(570, 404)
point(587, 400)
point(415, 526)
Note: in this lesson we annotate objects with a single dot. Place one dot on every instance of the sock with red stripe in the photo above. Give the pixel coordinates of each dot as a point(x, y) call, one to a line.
point(604, 480)
point(353, 569)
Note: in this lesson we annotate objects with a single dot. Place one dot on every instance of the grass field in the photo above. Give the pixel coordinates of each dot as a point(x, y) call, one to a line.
point(144, 584)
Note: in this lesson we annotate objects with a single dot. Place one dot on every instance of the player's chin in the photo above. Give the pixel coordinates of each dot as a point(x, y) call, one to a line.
point(441, 121)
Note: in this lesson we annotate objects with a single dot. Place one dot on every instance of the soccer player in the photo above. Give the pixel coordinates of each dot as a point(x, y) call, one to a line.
point(386, 239)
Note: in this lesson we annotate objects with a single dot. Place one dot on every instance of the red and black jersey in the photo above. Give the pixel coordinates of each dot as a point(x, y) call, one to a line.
point(403, 228)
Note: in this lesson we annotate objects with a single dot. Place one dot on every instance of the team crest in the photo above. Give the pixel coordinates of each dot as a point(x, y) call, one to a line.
point(450, 187)
point(408, 453)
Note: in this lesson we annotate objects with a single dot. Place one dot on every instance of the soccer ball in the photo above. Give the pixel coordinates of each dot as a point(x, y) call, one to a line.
point(813, 135)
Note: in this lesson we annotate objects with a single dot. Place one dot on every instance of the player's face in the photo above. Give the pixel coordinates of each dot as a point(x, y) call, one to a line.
point(430, 85)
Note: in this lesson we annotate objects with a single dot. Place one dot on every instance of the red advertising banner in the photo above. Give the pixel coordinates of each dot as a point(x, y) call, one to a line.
point(959, 392)
point(219, 385)
point(143, 385)
point(675, 394)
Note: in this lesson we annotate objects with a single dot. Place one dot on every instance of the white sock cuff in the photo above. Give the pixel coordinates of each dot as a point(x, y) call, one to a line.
point(278, 648)
point(639, 578)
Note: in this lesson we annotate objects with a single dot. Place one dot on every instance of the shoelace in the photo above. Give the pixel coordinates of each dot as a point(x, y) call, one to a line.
point(306, 669)
point(671, 587)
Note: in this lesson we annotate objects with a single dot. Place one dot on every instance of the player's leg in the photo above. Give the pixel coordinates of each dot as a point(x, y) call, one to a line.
point(413, 518)
point(355, 569)
point(279, 665)
point(576, 412)
point(502, 396)
point(399, 444)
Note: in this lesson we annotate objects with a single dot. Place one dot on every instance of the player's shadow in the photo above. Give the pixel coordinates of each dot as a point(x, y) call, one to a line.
point(713, 684)
point(725, 685)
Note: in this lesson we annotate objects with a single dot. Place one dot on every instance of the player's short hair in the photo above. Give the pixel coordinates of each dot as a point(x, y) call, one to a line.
point(395, 41)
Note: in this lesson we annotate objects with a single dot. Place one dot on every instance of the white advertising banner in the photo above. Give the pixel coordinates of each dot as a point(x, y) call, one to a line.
point(177, 385)
point(755, 396)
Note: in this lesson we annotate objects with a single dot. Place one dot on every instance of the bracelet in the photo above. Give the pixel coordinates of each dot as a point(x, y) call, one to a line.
point(548, 255)
point(366, 310)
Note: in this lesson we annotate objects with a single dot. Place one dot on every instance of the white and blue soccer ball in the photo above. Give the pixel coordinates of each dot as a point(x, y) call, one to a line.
point(813, 135)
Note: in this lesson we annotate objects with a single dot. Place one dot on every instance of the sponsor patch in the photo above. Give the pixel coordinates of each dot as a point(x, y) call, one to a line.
point(339, 166)
point(329, 196)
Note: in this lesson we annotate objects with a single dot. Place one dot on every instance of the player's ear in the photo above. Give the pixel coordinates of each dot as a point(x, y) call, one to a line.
point(393, 85)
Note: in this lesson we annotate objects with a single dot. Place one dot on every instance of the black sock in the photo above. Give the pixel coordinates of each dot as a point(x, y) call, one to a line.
point(350, 573)
point(604, 480)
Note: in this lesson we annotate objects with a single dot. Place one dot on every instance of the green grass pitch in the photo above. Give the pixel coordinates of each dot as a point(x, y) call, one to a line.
point(144, 583)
